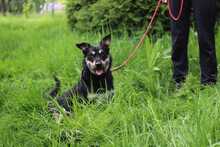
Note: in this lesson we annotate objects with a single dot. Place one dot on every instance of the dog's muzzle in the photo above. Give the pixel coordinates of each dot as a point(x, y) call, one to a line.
point(98, 67)
point(99, 70)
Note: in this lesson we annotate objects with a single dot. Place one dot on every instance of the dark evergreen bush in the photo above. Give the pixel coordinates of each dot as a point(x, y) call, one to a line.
point(119, 15)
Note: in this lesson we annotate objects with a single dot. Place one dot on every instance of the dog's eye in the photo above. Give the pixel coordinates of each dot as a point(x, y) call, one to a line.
point(90, 58)
point(93, 53)
point(103, 56)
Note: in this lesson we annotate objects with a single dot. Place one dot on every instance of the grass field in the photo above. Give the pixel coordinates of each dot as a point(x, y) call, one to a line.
point(146, 110)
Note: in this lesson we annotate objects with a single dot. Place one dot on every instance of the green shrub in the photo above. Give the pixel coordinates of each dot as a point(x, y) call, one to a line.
point(25, 6)
point(120, 15)
point(16, 6)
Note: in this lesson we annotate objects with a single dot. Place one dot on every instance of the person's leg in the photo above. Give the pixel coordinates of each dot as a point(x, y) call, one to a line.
point(180, 33)
point(205, 12)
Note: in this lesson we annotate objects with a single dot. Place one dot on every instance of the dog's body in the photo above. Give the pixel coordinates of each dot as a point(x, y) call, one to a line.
point(96, 75)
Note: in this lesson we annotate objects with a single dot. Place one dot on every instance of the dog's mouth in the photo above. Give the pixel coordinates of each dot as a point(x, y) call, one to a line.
point(98, 69)
point(99, 72)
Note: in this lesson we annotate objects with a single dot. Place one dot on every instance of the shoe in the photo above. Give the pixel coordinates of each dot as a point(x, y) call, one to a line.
point(209, 83)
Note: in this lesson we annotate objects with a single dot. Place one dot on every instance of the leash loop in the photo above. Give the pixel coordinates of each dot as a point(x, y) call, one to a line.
point(175, 18)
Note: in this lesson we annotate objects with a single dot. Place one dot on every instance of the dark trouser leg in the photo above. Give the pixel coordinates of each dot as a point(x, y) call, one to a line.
point(180, 33)
point(205, 11)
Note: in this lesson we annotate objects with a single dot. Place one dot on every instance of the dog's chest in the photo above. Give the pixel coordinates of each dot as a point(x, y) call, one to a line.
point(96, 85)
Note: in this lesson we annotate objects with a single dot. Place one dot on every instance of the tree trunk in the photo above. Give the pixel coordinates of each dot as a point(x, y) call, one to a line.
point(3, 7)
point(52, 10)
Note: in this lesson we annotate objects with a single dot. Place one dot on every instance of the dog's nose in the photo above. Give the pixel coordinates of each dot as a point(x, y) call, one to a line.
point(98, 63)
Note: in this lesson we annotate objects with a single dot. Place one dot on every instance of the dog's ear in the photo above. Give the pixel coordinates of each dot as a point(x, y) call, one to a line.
point(106, 41)
point(83, 46)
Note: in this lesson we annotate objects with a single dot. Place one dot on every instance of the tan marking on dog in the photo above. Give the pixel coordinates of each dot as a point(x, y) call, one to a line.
point(106, 63)
point(91, 65)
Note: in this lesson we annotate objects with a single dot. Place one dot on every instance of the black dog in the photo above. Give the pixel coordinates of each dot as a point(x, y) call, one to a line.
point(96, 75)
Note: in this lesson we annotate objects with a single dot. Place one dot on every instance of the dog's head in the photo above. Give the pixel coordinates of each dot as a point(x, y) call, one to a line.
point(97, 58)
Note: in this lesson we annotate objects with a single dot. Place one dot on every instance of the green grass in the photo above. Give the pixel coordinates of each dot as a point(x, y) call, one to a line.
point(146, 110)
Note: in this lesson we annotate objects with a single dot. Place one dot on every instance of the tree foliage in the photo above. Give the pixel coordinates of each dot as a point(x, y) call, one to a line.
point(117, 15)
point(113, 14)
point(19, 6)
